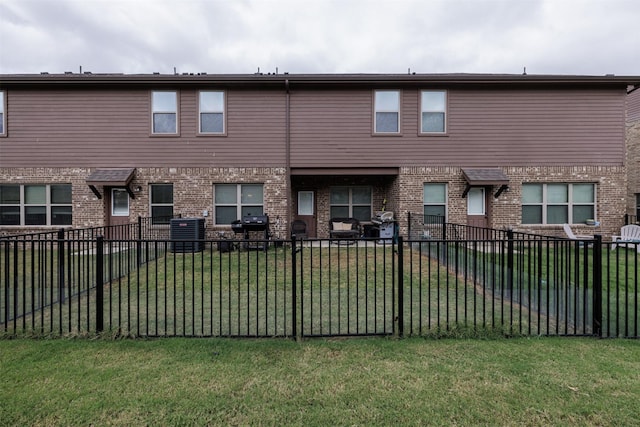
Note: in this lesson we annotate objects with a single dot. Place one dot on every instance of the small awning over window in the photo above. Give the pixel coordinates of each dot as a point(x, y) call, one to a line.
point(485, 178)
point(111, 178)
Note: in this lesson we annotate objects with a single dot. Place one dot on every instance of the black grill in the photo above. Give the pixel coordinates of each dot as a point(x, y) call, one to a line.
point(254, 230)
point(255, 222)
point(237, 227)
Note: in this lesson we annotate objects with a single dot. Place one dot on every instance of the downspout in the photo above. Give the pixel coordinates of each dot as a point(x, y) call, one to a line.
point(288, 154)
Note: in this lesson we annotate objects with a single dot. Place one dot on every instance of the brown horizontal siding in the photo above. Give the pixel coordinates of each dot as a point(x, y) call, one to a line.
point(112, 128)
point(633, 107)
point(499, 128)
point(329, 128)
point(538, 127)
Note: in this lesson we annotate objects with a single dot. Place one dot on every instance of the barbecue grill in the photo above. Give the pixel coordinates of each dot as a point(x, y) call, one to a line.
point(255, 222)
point(385, 223)
point(255, 230)
point(237, 228)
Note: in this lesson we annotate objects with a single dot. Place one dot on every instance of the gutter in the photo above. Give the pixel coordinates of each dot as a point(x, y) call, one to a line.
point(185, 80)
point(287, 107)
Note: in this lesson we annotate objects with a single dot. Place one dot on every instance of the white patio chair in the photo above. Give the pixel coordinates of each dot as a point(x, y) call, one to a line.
point(629, 237)
point(569, 232)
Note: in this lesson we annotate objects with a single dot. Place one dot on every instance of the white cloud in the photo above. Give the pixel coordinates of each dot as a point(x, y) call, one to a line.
point(320, 36)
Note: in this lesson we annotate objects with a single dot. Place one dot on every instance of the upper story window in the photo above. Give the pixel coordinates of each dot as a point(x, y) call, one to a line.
point(35, 204)
point(558, 203)
point(433, 108)
point(387, 111)
point(212, 110)
point(350, 202)
point(161, 203)
point(164, 112)
point(435, 201)
point(3, 126)
point(233, 201)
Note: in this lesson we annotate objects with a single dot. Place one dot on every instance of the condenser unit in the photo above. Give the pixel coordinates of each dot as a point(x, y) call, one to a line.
point(187, 234)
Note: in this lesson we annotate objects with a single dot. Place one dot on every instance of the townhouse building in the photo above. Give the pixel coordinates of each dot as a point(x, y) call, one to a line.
point(528, 152)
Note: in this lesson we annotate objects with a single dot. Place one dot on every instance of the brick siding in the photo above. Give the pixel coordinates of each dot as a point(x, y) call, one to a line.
point(506, 210)
point(193, 193)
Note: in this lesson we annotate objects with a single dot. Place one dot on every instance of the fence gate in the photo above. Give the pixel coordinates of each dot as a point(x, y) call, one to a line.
point(344, 288)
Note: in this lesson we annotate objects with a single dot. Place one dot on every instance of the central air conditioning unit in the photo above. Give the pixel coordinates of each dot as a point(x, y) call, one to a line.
point(189, 233)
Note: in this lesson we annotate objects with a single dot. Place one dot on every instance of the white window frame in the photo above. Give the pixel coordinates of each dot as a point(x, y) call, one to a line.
point(311, 198)
point(113, 199)
point(160, 111)
point(426, 203)
point(443, 111)
point(222, 110)
point(48, 205)
point(378, 109)
point(239, 205)
point(154, 220)
point(3, 113)
point(480, 193)
point(569, 204)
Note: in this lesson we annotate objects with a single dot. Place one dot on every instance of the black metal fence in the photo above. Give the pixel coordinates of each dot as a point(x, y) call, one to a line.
point(516, 285)
point(435, 227)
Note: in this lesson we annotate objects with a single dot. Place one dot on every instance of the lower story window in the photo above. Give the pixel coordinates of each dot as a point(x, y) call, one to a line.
point(35, 204)
point(558, 203)
point(350, 202)
point(233, 201)
point(161, 203)
point(435, 200)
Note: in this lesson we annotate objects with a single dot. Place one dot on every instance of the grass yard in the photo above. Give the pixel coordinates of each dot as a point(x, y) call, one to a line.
point(376, 381)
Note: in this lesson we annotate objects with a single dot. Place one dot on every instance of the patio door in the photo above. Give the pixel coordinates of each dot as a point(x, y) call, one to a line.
point(117, 207)
point(477, 215)
point(307, 210)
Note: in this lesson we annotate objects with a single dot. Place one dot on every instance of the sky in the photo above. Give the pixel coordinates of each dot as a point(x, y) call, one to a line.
point(574, 37)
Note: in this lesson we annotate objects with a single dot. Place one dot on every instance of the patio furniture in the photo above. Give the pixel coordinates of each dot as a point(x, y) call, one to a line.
point(572, 236)
point(299, 229)
point(344, 228)
point(629, 237)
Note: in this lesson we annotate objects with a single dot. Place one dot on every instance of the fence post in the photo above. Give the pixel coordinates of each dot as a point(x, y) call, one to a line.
point(400, 282)
point(7, 282)
point(444, 229)
point(61, 265)
point(139, 242)
point(294, 285)
point(510, 250)
point(626, 219)
point(100, 284)
point(597, 285)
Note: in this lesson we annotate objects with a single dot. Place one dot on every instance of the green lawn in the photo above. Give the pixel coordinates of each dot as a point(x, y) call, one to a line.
point(379, 381)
